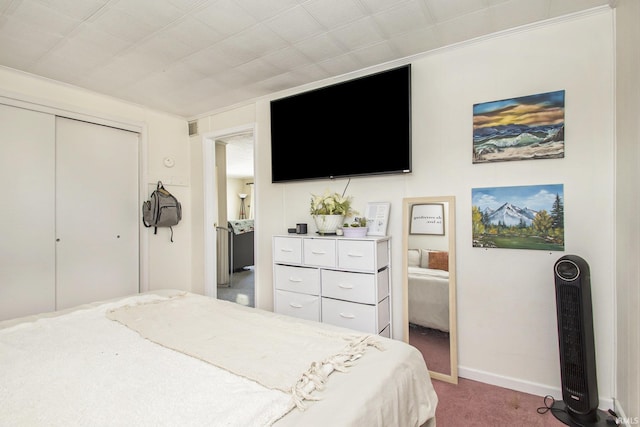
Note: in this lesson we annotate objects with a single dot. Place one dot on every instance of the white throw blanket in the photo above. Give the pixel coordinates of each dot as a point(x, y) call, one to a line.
point(83, 369)
point(278, 352)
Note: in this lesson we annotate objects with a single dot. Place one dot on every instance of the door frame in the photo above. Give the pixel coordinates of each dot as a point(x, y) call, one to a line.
point(211, 201)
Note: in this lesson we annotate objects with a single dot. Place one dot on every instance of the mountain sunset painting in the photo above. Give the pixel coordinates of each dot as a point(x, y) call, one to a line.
point(526, 128)
point(524, 217)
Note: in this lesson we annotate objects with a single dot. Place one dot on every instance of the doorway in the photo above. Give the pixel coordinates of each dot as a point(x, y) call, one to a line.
point(239, 285)
point(229, 245)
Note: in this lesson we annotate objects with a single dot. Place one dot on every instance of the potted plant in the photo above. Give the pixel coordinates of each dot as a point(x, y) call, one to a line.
point(358, 228)
point(329, 210)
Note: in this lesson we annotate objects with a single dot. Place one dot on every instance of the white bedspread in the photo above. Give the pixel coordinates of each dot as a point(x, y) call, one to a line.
point(78, 368)
point(83, 369)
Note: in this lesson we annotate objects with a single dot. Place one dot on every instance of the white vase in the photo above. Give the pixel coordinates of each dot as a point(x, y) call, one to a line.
point(327, 224)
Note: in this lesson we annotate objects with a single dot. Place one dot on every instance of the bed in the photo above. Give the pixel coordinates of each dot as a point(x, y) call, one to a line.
point(176, 358)
point(428, 283)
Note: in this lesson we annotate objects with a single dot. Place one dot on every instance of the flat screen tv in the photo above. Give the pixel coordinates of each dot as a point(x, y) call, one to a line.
point(358, 127)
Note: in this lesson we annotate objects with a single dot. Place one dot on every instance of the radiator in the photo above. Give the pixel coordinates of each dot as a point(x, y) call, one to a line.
point(222, 248)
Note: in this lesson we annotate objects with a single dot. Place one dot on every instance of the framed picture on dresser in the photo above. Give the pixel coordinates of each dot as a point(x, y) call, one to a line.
point(377, 215)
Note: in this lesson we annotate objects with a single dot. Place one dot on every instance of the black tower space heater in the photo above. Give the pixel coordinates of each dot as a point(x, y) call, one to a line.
point(579, 405)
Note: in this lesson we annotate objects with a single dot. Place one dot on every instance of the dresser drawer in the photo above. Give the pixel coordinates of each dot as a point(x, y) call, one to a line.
point(360, 317)
point(298, 305)
point(297, 279)
point(336, 280)
point(319, 252)
point(357, 255)
point(346, 286)
point(367, 288)
point(287, 250)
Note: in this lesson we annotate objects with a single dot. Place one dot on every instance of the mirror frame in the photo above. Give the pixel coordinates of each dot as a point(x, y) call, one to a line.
point(451, 231)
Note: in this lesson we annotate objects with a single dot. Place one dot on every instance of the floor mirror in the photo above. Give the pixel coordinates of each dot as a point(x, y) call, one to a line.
point(429, 282)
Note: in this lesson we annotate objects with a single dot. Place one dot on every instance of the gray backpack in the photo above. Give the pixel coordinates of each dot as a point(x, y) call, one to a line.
point(161, 210)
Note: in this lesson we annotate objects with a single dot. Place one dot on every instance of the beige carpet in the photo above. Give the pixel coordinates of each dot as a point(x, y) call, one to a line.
point(475, 404)
point(434, 346)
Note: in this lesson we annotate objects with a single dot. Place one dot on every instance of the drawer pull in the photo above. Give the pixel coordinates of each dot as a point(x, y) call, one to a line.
point(295, 305)
point(318, 252)
point(351, 254)
point(286, 250)
point(295, 279)
point(348, 316)
point(343, 286)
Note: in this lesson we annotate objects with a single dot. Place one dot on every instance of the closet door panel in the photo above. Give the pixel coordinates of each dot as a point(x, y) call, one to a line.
point(27, 241)
point(97, 212)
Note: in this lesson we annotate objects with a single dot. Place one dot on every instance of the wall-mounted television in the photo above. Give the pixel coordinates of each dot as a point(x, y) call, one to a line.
point(354, 128)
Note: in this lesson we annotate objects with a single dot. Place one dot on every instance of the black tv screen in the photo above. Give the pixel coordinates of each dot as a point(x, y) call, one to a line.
point(358, 127)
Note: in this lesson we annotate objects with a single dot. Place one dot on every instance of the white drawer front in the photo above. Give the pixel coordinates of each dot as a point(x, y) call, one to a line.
point(319, 252)
point(350, 315)
point(298, 305)
point(297, 279)
point(356, 287)
point(287, 250)
point(356, 255)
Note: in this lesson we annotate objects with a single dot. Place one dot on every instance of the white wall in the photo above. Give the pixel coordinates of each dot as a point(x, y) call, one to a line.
point(506, 303)
point(164, 135)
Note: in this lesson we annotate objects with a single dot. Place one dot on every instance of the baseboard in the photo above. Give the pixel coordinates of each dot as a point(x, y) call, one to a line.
point(622, 417)
point(536, 389)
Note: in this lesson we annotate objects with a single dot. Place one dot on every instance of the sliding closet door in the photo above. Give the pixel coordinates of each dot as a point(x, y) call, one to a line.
point(27, 247)
point(97, 212)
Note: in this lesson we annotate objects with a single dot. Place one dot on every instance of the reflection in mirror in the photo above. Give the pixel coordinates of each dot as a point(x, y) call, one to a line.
point(429, 282)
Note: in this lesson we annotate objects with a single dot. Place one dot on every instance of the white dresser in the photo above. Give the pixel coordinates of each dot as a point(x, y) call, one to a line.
point(338, 280)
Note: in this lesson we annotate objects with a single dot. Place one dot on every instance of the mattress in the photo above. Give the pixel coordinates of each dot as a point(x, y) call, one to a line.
point(428, 297)
point(169, 358)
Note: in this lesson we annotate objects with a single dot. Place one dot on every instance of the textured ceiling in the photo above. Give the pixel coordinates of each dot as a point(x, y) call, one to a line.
point(191, 57)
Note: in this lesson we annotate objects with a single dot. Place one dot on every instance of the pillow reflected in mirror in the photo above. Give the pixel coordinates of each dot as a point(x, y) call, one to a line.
point(413, 258)
point(439, 260)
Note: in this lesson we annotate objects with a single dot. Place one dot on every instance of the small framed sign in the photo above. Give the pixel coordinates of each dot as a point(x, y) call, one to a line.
point(377, 215)
point(427, 218)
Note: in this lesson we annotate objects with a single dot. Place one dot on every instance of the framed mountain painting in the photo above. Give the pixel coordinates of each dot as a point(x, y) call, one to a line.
point(526, 128)
point(523, 217)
